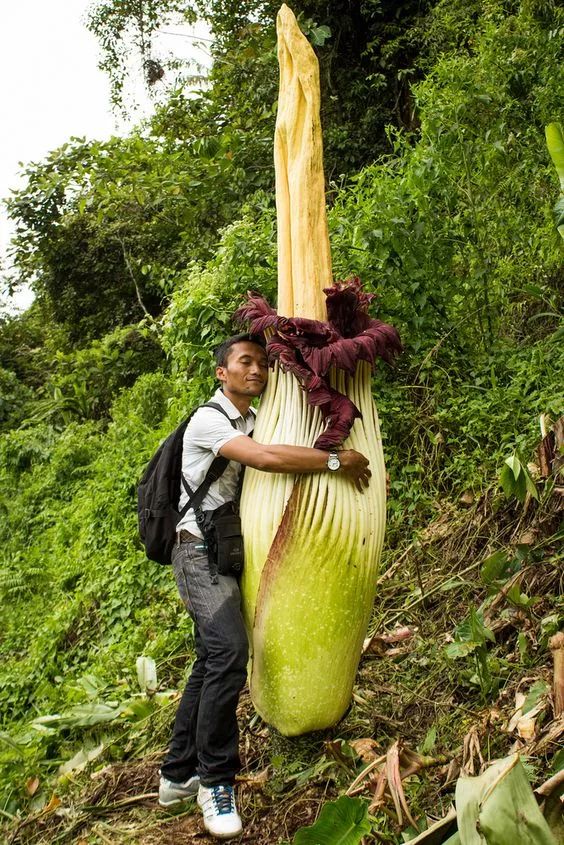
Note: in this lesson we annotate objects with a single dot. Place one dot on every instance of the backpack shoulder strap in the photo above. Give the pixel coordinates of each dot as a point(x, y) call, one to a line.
point(216, 470)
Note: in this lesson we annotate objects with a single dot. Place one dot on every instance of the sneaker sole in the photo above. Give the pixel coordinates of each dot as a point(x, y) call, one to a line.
point(174, 801)
point(223, 835)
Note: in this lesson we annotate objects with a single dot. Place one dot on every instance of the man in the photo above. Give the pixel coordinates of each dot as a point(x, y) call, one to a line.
point(203, 756)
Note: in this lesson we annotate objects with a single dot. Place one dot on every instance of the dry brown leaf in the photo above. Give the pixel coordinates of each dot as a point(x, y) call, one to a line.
point(556, 645)
point(374, 645)
point(525, 725)
point(526, 728)
point(32, 785)
point(527, 538)
point(399, 634)
point(517, 712)
point(377, 785)
point(452, 771)
point(366, 749)
point(255, 781)
point(551, 785)
point(371, 767)
point(52, 805)
point(395, 784)
point(377, 643)
point(393, 652)
point(340, 750)
point(495, 715)
point(439, 529)
point(471, 749)
point(549, 737)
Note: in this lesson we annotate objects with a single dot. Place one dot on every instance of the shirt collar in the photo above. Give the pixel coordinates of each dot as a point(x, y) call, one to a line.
point(232, 412)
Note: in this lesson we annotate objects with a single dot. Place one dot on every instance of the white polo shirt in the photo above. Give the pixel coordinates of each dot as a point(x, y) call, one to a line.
point(205, 434)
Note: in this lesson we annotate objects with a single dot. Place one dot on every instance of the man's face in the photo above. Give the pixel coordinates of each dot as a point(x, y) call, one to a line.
point(246, 370)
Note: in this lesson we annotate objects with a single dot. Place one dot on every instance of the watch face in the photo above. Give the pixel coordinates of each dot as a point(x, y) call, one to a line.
point(333, 462)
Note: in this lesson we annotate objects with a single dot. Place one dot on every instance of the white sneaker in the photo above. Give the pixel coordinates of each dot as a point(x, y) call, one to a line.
point(172, 793)
point(221, 818)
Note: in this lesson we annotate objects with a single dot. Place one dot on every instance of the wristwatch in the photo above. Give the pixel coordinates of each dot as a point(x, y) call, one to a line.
point(333, 462)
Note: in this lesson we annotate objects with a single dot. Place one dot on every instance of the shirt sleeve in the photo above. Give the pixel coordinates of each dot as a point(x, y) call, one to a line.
point(210, 430)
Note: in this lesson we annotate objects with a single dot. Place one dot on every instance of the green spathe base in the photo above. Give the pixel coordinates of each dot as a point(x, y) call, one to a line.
point(310, 578)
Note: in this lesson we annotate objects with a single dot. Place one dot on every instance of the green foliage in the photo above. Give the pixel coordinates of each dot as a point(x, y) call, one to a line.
point(24, 347)
point(555, 144)
point(516, 479)
point(369, 55)
point(341, 822)
point(471, 638)
point(441, 231)
point(101, 227)
point(14, 397)
point(83, 384)
point(200, 315)
point(104, 229)
point(452, 229)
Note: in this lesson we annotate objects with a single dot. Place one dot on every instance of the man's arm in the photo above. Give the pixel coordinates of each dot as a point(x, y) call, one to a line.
point(298, 459)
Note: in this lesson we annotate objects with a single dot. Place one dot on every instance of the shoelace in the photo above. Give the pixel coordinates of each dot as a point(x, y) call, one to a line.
point(223, 799)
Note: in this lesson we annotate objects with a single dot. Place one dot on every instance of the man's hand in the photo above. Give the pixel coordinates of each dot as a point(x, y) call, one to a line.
point(355, 466)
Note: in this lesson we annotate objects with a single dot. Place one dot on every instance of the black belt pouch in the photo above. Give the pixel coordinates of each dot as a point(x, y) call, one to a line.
point(222, 531)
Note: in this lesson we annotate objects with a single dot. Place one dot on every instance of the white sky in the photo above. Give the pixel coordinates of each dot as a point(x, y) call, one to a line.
point(52, 88)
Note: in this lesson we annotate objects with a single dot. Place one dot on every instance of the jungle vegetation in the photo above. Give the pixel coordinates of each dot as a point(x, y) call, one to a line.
point(139, 249)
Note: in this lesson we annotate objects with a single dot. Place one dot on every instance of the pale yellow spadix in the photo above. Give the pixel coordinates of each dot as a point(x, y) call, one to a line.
point(312, 542)
point(304, 257)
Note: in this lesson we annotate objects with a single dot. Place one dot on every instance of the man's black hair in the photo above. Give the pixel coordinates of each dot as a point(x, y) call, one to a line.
point(222, 351)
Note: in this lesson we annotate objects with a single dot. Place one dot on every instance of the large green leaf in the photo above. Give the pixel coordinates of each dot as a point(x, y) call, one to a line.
point(499, 808)
point(81, 759)
point(81, 716)
point(494, 567)
point(559, 215)
point(555, 144)
point(341, 822)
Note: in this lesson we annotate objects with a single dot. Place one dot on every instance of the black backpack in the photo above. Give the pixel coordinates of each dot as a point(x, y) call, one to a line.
point(158, 493)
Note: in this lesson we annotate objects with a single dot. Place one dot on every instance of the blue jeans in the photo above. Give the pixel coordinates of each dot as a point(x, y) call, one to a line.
point(206, 736)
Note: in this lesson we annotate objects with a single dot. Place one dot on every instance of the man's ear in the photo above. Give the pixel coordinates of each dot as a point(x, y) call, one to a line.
point(220, 374)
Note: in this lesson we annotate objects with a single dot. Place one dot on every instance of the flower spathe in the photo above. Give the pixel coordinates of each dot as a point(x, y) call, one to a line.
point(311, 348)
point(313, 541)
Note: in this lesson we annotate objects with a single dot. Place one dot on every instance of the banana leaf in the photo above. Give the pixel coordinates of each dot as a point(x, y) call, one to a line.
point(499, 808)
point(555, 144)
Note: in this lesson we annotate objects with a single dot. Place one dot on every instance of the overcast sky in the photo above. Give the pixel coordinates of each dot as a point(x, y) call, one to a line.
point(52, 88)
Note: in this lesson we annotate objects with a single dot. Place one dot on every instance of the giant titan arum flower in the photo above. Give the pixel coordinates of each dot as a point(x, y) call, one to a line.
point(312, 541)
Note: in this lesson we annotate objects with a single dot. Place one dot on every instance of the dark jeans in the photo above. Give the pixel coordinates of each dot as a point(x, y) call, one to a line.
point(206, 736)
